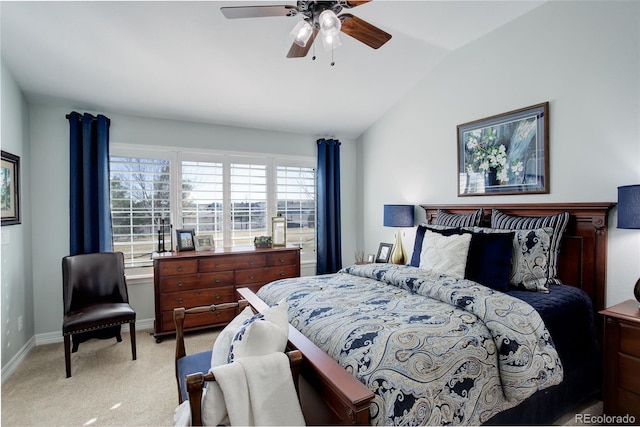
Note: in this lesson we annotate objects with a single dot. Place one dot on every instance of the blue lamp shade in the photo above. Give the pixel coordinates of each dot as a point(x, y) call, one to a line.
point(628, 206)
point(398, 215)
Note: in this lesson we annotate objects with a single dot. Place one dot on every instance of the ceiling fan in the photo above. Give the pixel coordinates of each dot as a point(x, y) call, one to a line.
point(318, 17)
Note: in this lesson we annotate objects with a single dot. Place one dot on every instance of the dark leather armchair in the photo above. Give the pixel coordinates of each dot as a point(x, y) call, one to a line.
point(95, 298)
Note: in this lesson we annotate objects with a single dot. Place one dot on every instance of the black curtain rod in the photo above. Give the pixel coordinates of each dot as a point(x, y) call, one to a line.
point(93, 118)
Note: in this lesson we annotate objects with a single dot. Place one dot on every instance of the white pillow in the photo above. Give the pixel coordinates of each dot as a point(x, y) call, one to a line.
point(445, 254)
point(222, 343)
point(262, 334)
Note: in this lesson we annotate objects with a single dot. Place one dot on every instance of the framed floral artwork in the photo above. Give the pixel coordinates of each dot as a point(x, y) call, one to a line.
point(505, 154)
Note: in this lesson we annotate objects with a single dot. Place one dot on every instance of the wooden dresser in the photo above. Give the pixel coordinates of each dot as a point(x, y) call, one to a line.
point(621, 391)
point(190, 279)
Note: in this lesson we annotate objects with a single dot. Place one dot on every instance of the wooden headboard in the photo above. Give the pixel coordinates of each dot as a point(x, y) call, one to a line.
point(583, 250)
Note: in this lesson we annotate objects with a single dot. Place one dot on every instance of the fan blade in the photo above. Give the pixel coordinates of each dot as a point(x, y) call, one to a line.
point(234, 12)
point(300, 52)
point(363, 31)
point(348, 4)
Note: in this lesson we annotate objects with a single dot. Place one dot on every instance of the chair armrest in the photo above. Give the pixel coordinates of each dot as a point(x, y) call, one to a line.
point(196, 382)
point(179, 316)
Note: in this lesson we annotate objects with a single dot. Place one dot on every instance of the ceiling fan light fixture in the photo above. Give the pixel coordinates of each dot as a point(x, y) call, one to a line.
point(330, 24)
point(301, 33)
point(331, 41)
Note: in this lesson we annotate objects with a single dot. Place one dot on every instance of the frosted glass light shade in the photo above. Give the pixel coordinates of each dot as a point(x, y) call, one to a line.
point(331, 41)
point(301, 33)
point(330, 24)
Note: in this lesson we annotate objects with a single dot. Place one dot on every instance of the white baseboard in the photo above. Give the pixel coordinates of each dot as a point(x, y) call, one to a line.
point(16, 360)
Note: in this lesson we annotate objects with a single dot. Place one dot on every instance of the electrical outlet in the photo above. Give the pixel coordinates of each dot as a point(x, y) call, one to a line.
point(20, 325)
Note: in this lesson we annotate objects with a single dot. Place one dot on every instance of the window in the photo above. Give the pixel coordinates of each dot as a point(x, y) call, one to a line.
point(225, 195)
point(202, 198)
point(248, 203)
point(140, 198)
point(296, 201)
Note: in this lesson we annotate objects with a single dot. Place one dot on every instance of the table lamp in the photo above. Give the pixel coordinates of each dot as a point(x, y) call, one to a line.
point(629, 216)
point(398, 216)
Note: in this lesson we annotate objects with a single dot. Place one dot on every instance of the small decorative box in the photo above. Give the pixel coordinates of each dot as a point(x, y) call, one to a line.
point(262, 241)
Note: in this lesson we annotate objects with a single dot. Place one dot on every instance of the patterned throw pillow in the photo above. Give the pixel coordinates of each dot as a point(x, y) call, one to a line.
point(557, 222)
point(445, 254)
point(531, 255)
point(472, 219)
point(262, 334)
point(417, 244)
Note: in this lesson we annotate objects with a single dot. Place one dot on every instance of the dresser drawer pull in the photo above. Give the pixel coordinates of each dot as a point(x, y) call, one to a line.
point(180, 300)
point(217, 280)
point(281, 260)
point(218, 296)
point(251, 276)
point(180, 283)
point(250, 262)
point(282, 273)
point(217, 265)
point(218, 313)
point(179, 268)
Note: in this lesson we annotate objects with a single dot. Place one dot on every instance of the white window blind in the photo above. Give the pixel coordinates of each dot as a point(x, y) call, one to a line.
point(140, 197)
point(295, 194)
point(248, 202)
point(202, 198)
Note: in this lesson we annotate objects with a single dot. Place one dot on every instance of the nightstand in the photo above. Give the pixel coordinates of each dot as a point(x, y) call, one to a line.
point(621, 388)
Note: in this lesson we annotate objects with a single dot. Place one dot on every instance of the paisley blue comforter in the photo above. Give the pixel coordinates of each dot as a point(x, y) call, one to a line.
point(434, 349)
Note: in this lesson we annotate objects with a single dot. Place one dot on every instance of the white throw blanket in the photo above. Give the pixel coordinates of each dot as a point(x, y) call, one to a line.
point(252, 391)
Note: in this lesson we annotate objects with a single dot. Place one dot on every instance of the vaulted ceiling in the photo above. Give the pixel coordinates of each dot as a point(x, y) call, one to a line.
point(184, 60)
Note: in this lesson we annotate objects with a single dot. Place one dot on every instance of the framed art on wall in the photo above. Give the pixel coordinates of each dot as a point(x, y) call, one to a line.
point(505, 154)
point(10, 189)
point(384, 252)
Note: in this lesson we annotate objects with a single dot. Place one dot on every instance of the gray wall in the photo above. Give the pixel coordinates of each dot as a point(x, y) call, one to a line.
point(582, 57)
point(17, 279)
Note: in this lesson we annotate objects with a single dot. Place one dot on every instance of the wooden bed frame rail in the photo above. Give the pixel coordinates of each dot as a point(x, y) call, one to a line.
point(331, 395)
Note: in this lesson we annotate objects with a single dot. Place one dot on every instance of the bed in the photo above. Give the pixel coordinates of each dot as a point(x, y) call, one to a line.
point(466, 369)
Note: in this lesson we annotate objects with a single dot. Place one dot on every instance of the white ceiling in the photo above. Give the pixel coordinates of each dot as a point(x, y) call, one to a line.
point(184, 60)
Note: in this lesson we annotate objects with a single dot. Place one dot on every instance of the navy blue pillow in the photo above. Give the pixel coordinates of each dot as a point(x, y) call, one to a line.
point(489, 260)
point(417, 244)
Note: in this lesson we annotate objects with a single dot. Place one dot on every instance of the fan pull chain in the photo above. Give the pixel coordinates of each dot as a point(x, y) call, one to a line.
point(332, 61)
point(313, 46)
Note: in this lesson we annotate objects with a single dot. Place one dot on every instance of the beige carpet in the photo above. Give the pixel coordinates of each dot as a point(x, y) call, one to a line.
point(107, 387)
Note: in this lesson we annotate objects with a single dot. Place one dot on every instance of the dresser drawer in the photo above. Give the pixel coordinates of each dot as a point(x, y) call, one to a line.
point(629, 373)
point(282, 258)
point(178, 267)
point(189, 299)
point(265, 275)
point(628, 403)
point(231, 262)
point(204, 319)
point(196, 281)
point(629, 339)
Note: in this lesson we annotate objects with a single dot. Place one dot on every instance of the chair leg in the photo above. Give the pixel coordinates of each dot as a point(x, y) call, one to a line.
point(67, 354)
point(118, 336)
point(132, 334)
